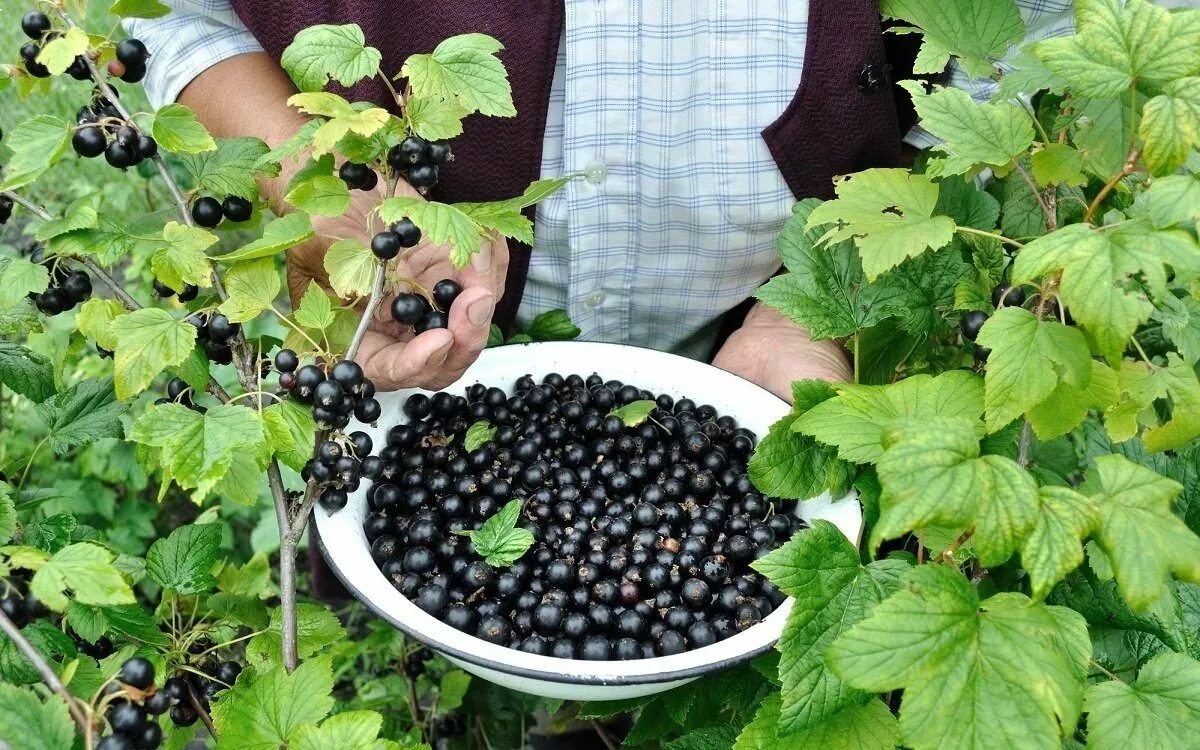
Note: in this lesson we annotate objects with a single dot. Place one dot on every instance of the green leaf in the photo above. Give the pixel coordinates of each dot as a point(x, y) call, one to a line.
point(58, 53)
point(315, 310)
point(252, 287)
point(317, 628)
point(109, 242)
point(290, 430)
point(1004, 672)
point(463, 70)
point(35, 144)
point(343, 118)
point(972, 133)
point(278, 235)
point(148, 340)
point(231, 169)
point(1101, 604)
point(85, 570)
point(324, 195)
point(553, 325)
point(182, 260)
point(183, 562)
point(854, 420)
point(1170, 126)
point(498, 541)
point(351, 267)
point(1097, 271)
point(129, 620)
point(820, 569)
point(1144, 540)
point(196, 450)
point(29, 723)
point(319, 53)
point(634, 413)
point(1054, 546)
point(266, 710)
point(1058, 163)
point(867, 726)
point(889, 213)
point(499, 217)
point(178, 131)
point(976, 32)
point(452, 688)
point(1173, 199)
point(932, 475)
point(1178, 380)
point(1067, 405)
point(788, 464)
point(1118, 43)
point(82, 414)
point(19, 277)
point(1032, 357)
point(1160, 710)
point(477, 434)
point(719, 737)
point(349, 730)
point(440, 223)
point(8, 514)
point(81, 214)
point(435, 119)
point(138, 9)
point(1180, 318)
point(50, 534)
point(26, 372)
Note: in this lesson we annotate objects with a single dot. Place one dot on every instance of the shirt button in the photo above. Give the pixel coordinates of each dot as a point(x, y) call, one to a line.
point(595, 173)
point(594, 300)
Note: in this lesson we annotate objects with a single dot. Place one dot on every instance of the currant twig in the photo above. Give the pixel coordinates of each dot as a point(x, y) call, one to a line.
point(44, 670)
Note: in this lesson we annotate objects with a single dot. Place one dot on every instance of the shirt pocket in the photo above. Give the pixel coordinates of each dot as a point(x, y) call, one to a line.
point(756, 63)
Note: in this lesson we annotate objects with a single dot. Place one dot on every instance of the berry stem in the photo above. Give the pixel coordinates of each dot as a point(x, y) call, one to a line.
point(204, 717)
point(290, 324)
point(1130, 166)
point(999, 237)
point(9, 628)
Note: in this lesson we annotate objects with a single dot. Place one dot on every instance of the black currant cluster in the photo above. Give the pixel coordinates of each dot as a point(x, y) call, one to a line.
point(1003, 295)
point(67, 287)
point(217, 335)
point(338, 468)
point(216, 678)
point(388, 243)
point(208, 211)
point(419, 161)
point(132, 704)
point(18, 603)
point(179, 392)
point(36, 26)
point(358, 176)
point(643, 535)
point(416, 310)
point(6, 209)
point(101, 130)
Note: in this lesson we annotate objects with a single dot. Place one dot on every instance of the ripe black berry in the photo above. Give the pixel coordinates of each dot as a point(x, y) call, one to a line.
point(385, 245)
point(121, 156)
point(286, 361)
point(183, 715)
point(126, 718)
point(132, 52)
point(137, 672)
point(206, 211)
point(971, 323)
point(354, 174)
point(367, 410)
point(980, 353)
point(408, 308)
point(439, 153)
point(147, 147)
point(236, 208)
point(1008, 296)
point(134, 73)
point(220, 329)
point(412, 150)
point(445, 292)
point(408, 232)
point(431, 320)
point(423, 176)
point(89, 142)
point(78, 286)
point(35, 23)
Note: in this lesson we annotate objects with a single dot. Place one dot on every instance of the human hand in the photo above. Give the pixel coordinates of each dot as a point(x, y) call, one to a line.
point(391, 354)
point(772, 351)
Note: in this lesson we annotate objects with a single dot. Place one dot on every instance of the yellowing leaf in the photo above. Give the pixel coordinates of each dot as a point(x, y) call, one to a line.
point(972, 133)
point(148, 340)
point(351, 267)
point(87, 572)
point(464, 70)
point(252, 287)
point(58, 54)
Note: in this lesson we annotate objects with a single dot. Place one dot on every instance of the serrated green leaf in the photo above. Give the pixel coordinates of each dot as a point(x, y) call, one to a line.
point(182, 260)
point(463, 69)
point(1180, 318)
point(109, 242)
point(58, 53)
point(790, 465)
point(8, 514)
point(349, 730)
point(266, 710)
point(148, 340)
point(435, 119)
point(323, 52)
point(278, 235)
point(231, 169)
point(1173, 199)
point(138, 9)
point(50, 534)
point(452, 688)
point(1101, 604)
point(553, 325)
point(635, 412)
point(82, 414)
point(1144, 540)
point(19, 277)
point(315, 310)
point(1160, 710)
point(820, 569)
point(85, 570)
point(976, 32)
point(177, 131)
point(351, 267)
point(129, 620)
point(501, 218)
point(252, 287)
point(477, 434)
point(961, 200)
point(972, 133)
point(81, 214)
point(440, 223)
point(1170, 126)
point(1058, 163)
point(26, 372)
point(888, 213)
point(342, 118)
point(932, 474)
point(1178, 380)
point(1067, 405)
point(183, 562)
point(867, 726)
point(316, 628)
point(31, 723)
point(324, 195)
point(960, 659)
point(854, 420)
point(718, 737)
point(1054, 546)
point(1030, 357)
point(498, 541)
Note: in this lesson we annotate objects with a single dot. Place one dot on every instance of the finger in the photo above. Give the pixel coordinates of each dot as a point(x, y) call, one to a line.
point(392, 364)
point(470, 320)
point(487, 268)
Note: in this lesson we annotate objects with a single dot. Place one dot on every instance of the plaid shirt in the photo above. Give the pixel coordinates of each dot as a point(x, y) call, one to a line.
point(661, 105)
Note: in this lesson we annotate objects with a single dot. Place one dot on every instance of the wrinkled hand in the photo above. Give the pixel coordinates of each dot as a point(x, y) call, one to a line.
point(391, 355)
point(772, 351)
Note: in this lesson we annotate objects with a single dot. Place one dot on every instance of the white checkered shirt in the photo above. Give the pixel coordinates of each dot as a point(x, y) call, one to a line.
point(661, 104)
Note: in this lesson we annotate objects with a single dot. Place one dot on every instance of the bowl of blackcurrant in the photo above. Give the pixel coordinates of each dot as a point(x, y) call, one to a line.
point(573, 520)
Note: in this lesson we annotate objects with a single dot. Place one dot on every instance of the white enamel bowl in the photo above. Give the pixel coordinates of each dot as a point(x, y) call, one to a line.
point(344, 545)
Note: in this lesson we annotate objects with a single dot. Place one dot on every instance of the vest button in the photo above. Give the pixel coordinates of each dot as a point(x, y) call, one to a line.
point(872, 77)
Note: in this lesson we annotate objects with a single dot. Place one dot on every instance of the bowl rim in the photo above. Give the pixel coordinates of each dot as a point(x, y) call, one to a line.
point(580, 675)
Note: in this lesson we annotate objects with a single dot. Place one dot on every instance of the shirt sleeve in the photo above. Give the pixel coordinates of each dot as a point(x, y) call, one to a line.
point(193, 37)
point(1043, 19)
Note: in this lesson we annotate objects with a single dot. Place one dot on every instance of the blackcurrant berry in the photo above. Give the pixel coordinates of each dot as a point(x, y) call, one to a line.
point(78, 69)
point(412, 150)
point(206, 211)
point(132, 52)
point(328, 393)
point(157, 704)
point(183, 715)
point(439, 153)
point(1008, 296)
point(367, 410)
point(149, 738)
point(220, 329)
point(137, 672)
point(126, 718)
point(35, 23)
point(980, 353)
point(445, 292)
point(286, 361)
point(431, 320)
point(147, 147)
point(333, 499)
point(385, 245)
point(89, 142)
point(237, 208)
point(408, 309)
point(115, 742)
point(29, 52)
point(133, 73)
point(408, 232)
point(53, 301)
point(349, 374)
point(127, 135)
point(971, 323)
point(121, 156)
point(78, 286)
point(354, 174)
point(423, 176)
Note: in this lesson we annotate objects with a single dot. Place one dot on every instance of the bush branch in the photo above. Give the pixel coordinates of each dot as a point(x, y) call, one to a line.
point(1130, 166)
point(369, 313)
point(199, 709)
point(45, 672)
